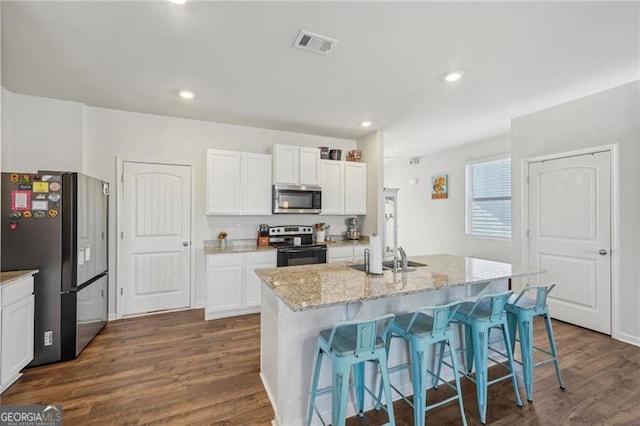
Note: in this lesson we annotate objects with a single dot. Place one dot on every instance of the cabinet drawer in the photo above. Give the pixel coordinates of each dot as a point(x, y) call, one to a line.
point(269, 257)
point(18, 290)
point(216, 260)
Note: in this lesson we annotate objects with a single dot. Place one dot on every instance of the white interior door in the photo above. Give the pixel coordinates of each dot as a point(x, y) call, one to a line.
point(570, 236)
point(156, 231)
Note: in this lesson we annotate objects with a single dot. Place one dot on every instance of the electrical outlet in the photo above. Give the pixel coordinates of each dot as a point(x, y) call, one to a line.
point(48, 338)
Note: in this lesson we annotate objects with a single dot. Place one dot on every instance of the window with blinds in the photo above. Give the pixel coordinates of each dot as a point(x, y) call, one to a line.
point(489, 198)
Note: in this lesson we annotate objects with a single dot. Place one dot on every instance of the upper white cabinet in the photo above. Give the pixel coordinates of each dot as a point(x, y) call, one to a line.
point(355, 188)
point(296, 165)
point(332, 183)
point(238, 183)
point(344, 187)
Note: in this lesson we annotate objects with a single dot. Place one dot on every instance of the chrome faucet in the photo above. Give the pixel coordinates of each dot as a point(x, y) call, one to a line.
point(403, 259)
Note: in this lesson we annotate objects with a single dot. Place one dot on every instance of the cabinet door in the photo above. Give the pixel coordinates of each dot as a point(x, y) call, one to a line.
point(286, 164)
point(17, 338)
point(340, 254)
point(223, 182)
point(332, 183)
point(309, 166)
point(224, 282)
point(355, 188)
point(252, 296)
point(358, 254)
point(256, 184)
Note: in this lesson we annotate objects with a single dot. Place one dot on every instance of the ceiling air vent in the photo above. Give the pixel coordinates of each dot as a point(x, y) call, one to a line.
point(314, 42)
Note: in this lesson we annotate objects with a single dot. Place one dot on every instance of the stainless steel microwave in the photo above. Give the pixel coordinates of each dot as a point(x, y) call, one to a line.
point(301, 199)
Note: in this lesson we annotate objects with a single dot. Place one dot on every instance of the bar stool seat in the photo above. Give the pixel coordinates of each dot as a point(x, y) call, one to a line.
point(422, 330)
point(521, 311)
point(350, 344)
point(478, 318)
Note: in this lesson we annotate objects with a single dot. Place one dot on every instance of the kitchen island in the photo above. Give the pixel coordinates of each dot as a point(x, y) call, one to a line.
point(299, 301)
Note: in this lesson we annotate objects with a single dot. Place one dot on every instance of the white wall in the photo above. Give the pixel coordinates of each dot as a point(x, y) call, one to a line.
point(93, 137)
point(427, 226)
point(609, 117)
point(42, 129)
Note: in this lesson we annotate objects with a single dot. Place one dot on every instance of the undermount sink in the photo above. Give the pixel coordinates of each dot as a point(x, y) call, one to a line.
point(388, 264)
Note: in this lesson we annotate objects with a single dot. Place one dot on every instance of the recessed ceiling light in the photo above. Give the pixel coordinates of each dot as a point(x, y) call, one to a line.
point(365, 124)
point(453, 76)
point(187, 94)
point(178, 1)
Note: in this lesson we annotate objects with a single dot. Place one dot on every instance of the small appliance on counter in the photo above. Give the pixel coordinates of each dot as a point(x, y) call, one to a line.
point(295, 246)
point(263, 235)
point(352, 231)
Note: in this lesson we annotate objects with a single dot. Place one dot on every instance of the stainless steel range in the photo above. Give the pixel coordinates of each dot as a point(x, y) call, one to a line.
point(295, 245)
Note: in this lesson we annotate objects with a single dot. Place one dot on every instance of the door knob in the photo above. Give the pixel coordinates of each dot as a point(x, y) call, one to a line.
point(602, 252)
point(186, 243)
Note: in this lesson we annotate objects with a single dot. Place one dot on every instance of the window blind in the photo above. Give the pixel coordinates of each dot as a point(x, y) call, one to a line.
point(489, 213)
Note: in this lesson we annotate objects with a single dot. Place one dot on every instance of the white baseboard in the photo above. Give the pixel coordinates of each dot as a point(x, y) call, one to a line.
point(628, 338)
point(113, 316)
point(275, 421)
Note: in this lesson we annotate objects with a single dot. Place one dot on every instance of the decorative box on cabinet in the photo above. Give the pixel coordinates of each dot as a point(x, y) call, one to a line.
point(296, 165)
point(17, 328)
point(238, 183)
point(233, 288)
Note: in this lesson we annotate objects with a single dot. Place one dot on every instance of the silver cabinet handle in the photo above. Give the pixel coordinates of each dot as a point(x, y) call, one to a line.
point(186, 243)
point(602, 252)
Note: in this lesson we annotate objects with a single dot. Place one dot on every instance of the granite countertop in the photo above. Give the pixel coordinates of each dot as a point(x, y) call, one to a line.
point(9, 277)
point(363, 241)
point(236, 249)
point(317, 286)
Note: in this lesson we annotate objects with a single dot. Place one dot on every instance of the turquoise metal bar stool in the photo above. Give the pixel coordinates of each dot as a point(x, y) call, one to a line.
point(347, 344)
point(425, 327)
point(521, 311)
point(479, 317)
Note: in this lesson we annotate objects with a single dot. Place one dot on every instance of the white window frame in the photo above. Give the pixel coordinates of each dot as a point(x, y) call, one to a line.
point(469, 198)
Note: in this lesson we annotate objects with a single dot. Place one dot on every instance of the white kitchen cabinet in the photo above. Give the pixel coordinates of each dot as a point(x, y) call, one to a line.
point(332, 183)
point(17, 328)
point(344, 187)
point(339, 254)
point(238, 183)
point(233, 288)
point(252, 296)
point(353, 253)
point(294, 165)
point(224, 283)
point(256, 184)
point(309, 166)
point(355, 188)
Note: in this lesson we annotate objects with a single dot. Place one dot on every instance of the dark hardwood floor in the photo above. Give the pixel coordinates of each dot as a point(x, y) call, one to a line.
point(175, 368)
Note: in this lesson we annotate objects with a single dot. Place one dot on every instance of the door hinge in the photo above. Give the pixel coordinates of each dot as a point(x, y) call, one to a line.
point(121, 235)
point(121, 291)
point(122, 178)
point(527, 233)
point(527, 179)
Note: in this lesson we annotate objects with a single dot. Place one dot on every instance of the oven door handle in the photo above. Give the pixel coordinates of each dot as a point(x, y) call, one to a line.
point(302, 250)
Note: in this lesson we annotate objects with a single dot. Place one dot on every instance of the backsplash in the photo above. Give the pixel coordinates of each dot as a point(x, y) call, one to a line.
point(246, 227)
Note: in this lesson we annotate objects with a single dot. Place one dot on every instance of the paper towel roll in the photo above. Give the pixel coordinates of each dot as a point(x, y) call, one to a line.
point(375, 256)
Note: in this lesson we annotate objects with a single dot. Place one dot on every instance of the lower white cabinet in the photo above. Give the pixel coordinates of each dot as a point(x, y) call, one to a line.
point(16, 323)
point(233, 288)
point(346, 254)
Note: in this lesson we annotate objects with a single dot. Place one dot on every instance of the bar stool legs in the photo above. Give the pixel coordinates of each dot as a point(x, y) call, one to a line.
point(521, 312)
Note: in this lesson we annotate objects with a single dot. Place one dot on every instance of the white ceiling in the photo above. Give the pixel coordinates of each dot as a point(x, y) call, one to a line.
point(386, 67)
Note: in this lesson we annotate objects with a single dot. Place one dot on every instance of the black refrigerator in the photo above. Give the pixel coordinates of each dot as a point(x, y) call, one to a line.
point(57, 222)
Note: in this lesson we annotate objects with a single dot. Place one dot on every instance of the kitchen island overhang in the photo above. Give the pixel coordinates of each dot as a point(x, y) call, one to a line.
point(299, 301)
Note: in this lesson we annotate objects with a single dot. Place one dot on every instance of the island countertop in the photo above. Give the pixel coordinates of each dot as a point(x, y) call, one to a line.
point(318, 286)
